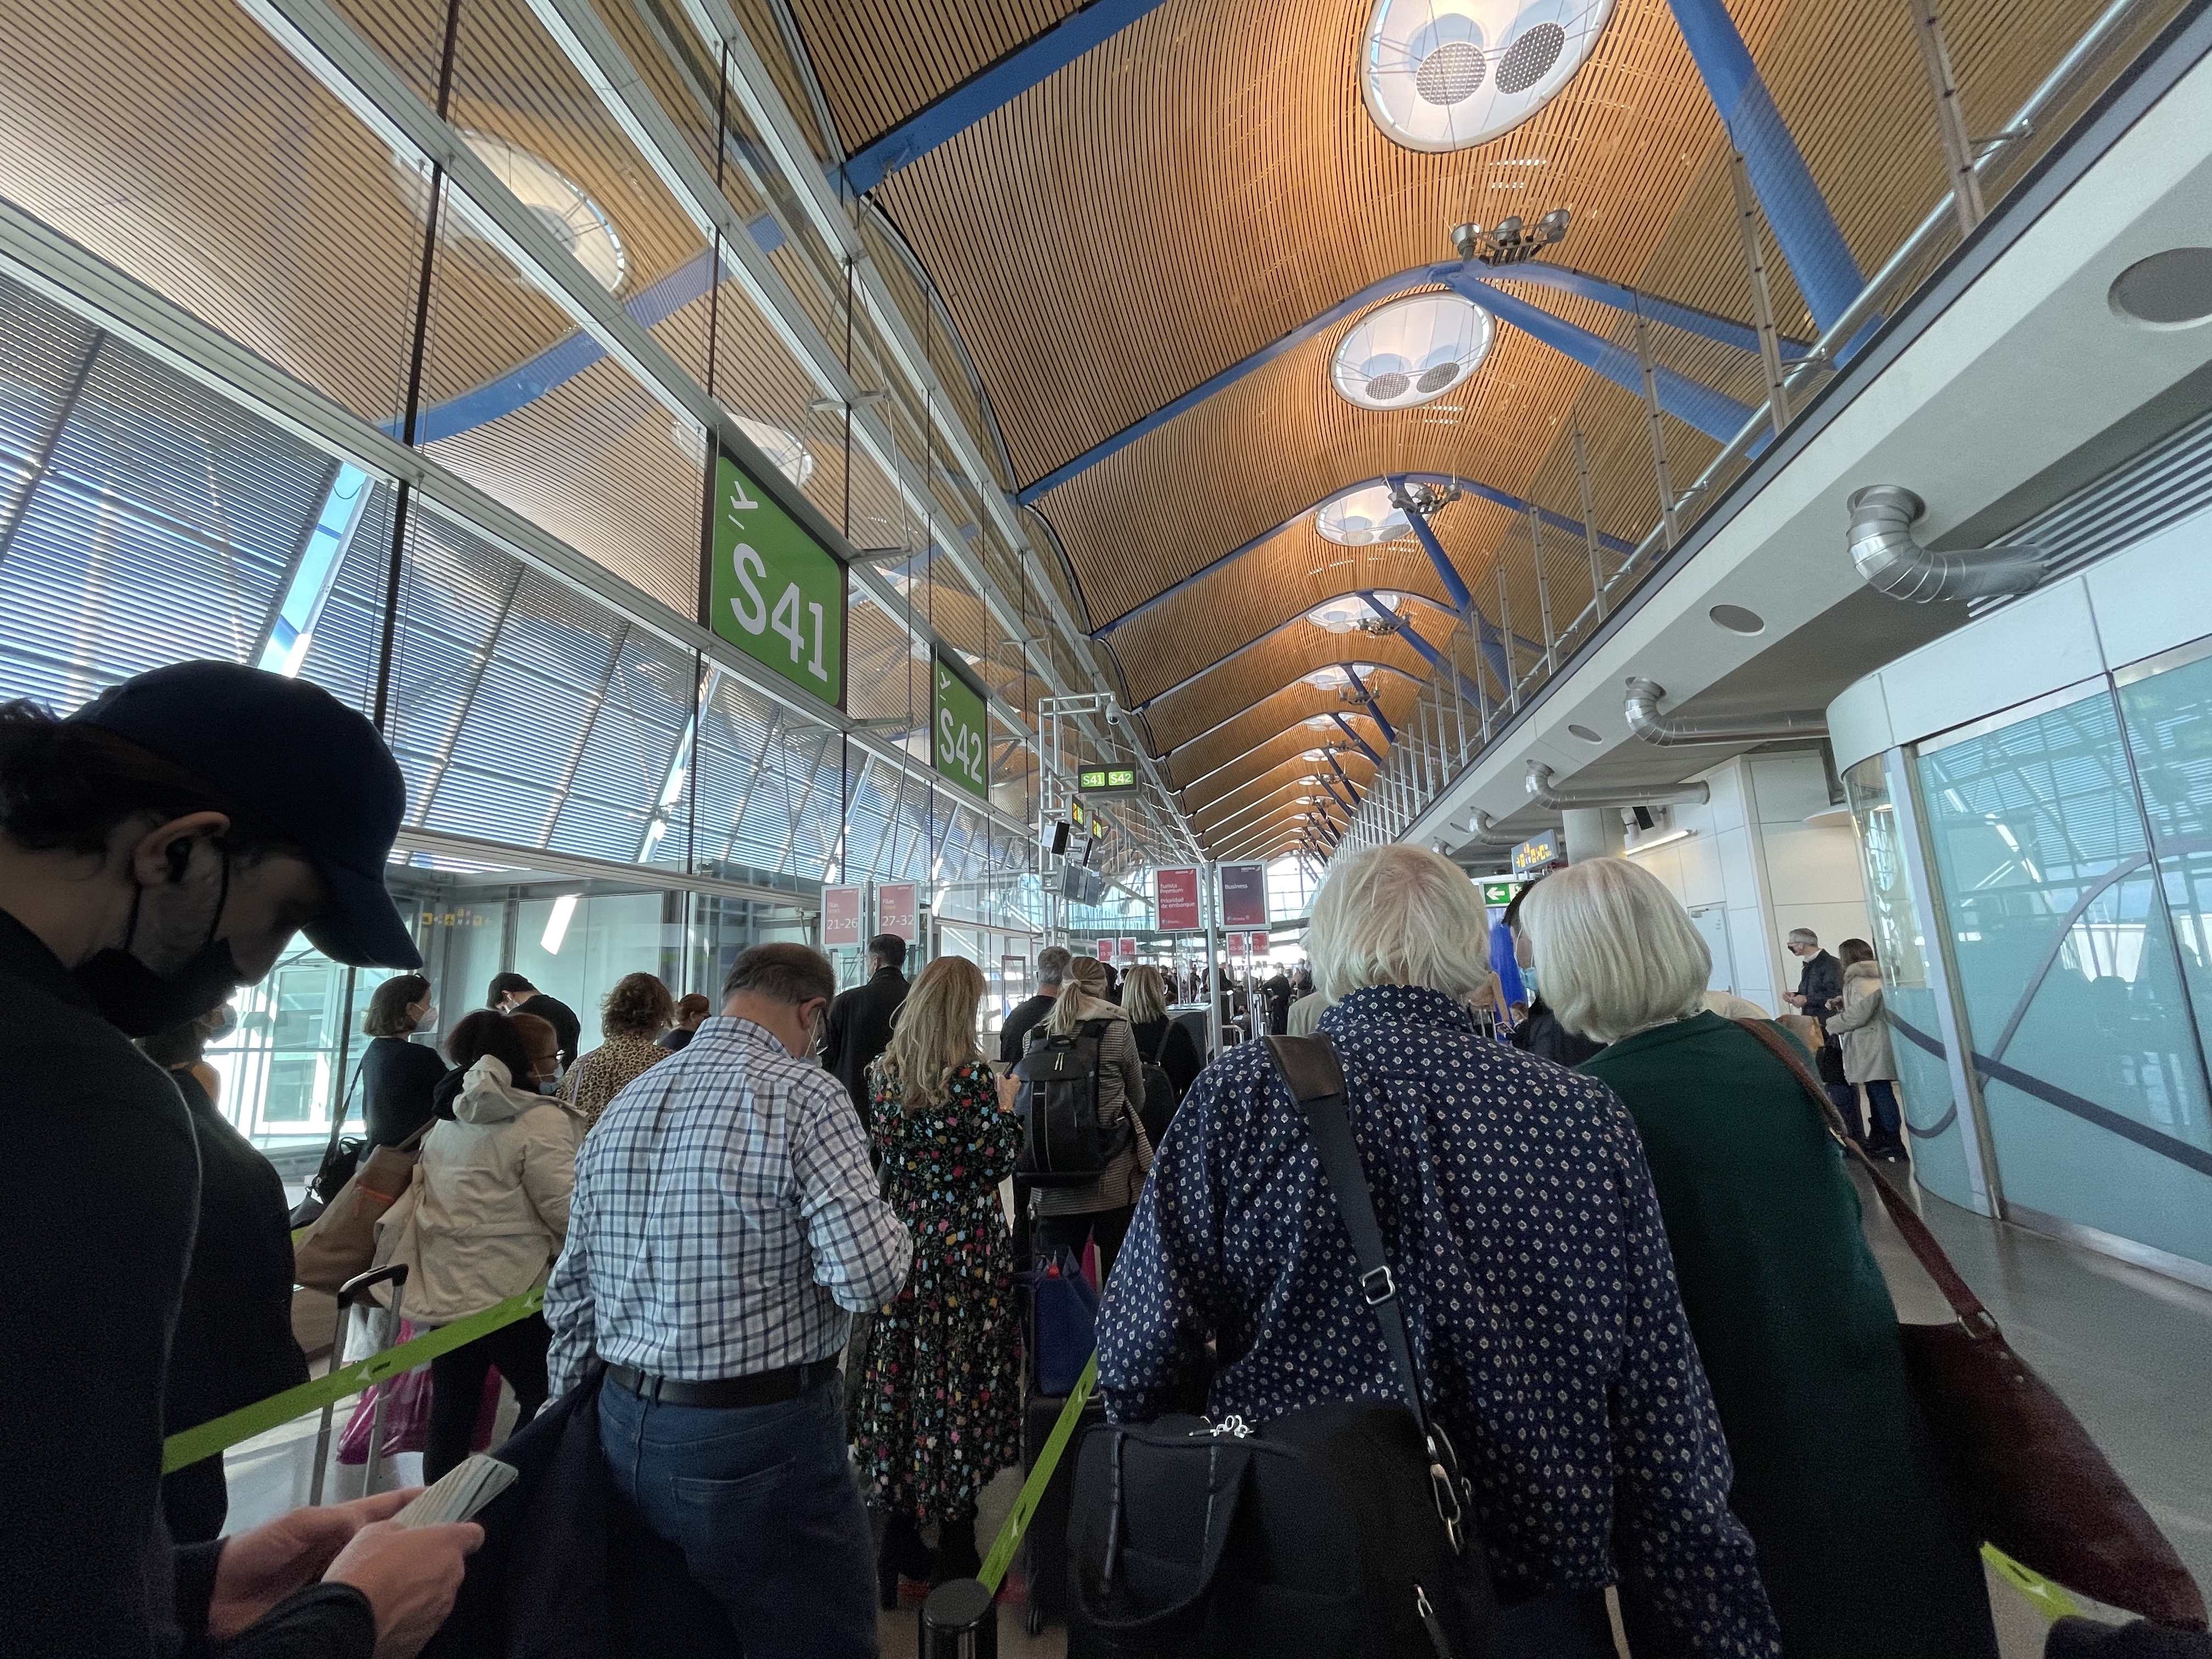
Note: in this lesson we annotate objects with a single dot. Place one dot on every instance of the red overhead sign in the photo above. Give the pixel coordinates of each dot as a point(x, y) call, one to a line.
point(1105, 949)
point(841, 918)
point(895, 907)
point(1128, 953)
point(1178, 902)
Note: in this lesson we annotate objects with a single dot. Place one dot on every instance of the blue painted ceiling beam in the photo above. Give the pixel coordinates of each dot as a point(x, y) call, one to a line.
point(1818, 256)
point(989, 90)
point(1704, 323)
point(1434, 658)
point(1253, 644)
point(1487, 639)
point(1352, 733)
point(1374, 707)
point(1466, 486)
point(1365, 748)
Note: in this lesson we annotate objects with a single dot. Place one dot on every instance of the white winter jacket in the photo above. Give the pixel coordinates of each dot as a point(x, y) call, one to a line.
point(491, 1197)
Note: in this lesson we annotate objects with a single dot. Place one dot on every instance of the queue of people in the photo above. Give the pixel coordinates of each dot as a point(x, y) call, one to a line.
point(1635, 1290)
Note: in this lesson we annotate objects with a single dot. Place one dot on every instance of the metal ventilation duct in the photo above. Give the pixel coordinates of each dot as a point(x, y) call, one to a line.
point(1670, 731)
point(1540, 790)
point(1488, 836)
point(1890, 562)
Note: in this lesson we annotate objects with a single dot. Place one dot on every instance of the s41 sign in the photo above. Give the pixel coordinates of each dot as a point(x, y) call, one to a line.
point(774, 590)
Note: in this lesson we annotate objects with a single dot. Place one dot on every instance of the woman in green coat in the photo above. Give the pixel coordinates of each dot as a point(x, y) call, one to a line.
point(1861, 1548)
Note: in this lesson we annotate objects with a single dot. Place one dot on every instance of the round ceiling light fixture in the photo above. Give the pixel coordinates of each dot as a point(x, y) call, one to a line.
point(2172, 290)
point(793, 458)
point(1331, 678)
point(560, 204)
point(1362, 518)
point(1411, 351)
point(1442, 75)
point(1343, 615)
point(1737, 620)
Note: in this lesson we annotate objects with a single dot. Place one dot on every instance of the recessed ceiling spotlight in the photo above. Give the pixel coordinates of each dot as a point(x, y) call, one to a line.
point(1442, 75)
point(1408, 352)
point(1585, 734)
point(1362, 518)
point(1737, 620)
point(2172, 290)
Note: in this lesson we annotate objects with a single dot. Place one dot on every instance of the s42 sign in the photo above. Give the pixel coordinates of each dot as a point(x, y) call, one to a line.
point(959, 730)
point(774, 591)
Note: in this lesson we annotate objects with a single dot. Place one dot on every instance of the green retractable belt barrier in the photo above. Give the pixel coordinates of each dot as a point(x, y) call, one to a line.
point(189, 1446)
point(1018, 1519)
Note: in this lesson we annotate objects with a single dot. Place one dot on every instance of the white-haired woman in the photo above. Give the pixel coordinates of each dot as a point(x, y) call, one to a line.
point(1065, 1218)
point(1526, 1245)
point(1861, 1552)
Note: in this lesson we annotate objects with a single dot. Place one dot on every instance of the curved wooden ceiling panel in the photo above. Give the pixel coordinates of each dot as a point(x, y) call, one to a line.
point(1287, 710)
point(1267, 668)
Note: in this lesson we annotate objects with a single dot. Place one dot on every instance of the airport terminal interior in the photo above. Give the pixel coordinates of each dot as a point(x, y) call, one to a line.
point(1020, 475)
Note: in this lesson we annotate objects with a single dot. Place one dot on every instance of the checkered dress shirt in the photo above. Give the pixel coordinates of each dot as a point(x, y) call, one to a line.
point(725, 1218)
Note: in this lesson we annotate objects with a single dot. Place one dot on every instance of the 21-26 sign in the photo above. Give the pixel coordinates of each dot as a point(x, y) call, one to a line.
point(774, 591)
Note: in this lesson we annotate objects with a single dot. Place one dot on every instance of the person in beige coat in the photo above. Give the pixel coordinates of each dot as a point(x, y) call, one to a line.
point(491, 1211)
point(1868, 1057)
point(1065, 1217)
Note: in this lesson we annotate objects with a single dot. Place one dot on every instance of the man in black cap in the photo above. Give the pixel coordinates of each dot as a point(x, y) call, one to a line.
point(158, 849)
point(859, 1026)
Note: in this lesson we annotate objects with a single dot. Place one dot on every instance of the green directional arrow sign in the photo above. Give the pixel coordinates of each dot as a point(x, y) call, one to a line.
point(774, 591)
point(959, 730)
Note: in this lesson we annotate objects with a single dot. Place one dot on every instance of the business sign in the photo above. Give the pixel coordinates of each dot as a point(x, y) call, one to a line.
point(896, 909)
point(1537, 852)
point(772, 590)
point(1244, 894)
point(1107, 780)
point(1177, 892)
point(959, 729)
point(841, 919)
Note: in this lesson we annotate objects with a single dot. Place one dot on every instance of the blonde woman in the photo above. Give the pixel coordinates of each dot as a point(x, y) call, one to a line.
point(1065, 1218)
point(939, 1411)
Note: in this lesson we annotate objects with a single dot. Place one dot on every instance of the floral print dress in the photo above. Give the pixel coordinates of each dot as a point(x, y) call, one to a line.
point(939, 1411)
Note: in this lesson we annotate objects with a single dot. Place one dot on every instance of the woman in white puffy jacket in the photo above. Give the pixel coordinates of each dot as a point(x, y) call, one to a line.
point(491, 1211)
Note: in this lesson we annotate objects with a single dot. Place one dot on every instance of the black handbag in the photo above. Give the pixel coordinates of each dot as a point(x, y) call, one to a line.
point(340, 1157)
point(1338, 1531)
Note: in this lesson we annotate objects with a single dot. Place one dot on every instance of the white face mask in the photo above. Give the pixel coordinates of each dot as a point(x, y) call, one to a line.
point(428, 1019)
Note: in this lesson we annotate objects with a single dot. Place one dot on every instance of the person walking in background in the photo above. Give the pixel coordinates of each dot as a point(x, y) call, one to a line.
point(491, 1209)
point(1526, 1249)
point(939, 1411)
point(1869, 1059)
point(633, 1014)
point(1161, 1041)
point(511, 994)
point(1052, 975)
point(726, 1225)
point(860, 1020)
point(1064, 1218)
point(233, 1342)
point(1819, 995)
point(691, 1009)
point(400, 1076)
point(1861, 1551)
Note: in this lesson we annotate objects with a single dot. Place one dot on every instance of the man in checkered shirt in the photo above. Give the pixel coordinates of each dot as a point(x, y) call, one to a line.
point(725, 1228)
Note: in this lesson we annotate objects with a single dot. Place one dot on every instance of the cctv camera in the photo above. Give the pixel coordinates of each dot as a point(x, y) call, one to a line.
point(1113, 715)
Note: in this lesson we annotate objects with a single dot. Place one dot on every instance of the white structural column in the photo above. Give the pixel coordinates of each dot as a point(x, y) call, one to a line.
point(1591, 833)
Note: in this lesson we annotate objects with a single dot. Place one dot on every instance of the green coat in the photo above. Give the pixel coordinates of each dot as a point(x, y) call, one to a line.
point(1833, 1475)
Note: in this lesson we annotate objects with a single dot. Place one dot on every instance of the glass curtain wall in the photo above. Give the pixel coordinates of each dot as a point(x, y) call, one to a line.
point(2071, 863)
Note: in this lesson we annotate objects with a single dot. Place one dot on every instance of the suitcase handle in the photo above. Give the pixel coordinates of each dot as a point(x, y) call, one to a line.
point(394, 1273)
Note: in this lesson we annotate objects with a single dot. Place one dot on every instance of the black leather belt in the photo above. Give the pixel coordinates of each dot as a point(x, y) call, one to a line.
point(761, 1389)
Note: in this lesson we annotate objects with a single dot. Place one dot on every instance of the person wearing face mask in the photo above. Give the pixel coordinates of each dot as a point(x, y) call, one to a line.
point(233, 1342)
point(399, 1078)
point(159, 848)
point(491, 1207)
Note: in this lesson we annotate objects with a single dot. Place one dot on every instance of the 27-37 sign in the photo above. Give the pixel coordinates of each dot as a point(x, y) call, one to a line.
point(774, 591)
point(959, 730)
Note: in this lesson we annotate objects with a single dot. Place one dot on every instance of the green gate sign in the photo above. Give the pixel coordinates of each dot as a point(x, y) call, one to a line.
point(774, 591)
point(959, 730)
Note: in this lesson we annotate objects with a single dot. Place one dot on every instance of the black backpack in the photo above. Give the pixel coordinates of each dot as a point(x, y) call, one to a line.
point(1160, 1097)
point(1063, 1143)
point(1340, 1531)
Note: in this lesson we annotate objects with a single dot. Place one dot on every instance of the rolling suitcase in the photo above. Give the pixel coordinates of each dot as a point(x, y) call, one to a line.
point(1044, 1548)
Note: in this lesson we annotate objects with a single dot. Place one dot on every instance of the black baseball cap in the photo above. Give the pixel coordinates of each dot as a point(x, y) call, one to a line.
point(313, 769)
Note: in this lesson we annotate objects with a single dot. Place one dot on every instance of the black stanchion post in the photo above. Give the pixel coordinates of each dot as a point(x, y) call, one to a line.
point(960, 1620)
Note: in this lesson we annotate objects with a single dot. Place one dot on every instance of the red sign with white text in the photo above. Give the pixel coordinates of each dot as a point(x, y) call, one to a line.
point(1178, 902)
point(1128, 955)
point(841, 918)
point(1105, 952)
point(895, 904)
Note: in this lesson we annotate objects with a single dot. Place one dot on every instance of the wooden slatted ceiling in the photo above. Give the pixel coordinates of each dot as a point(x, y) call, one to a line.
point(1286, 779)
point(1286, 709)
point(1266, 669)
point(1277, 752)
point(878, 62)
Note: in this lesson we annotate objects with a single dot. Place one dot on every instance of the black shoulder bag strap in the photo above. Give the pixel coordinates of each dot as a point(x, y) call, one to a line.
point(1308, 1065)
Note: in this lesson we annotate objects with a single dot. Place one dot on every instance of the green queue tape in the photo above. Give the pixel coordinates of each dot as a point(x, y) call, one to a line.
point(1018, 1519)
point(189, 1446)
point(2046, 1597)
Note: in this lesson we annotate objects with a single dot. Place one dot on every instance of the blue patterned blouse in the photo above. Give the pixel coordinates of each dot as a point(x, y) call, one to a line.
point(1526, 1242)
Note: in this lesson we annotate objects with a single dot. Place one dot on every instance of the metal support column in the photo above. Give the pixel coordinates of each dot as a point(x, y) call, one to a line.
point(1506, 639)
point(1658, 432)
point(1950, 119)
point(1543, 592)
point(1762, 297)
point(1589, 521)
point(1210, 875)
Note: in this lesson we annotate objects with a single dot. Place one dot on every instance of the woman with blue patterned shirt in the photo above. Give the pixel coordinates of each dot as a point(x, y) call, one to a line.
point(1530, 1260)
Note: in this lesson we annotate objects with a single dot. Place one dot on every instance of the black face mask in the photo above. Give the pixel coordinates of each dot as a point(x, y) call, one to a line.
point(139, 1002)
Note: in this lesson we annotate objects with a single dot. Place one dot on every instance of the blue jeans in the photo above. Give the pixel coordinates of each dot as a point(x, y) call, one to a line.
point(760, 1500)
point(1888, 1119)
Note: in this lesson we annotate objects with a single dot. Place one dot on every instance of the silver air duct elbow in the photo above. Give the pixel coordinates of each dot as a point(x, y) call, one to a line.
point(1671, 731)
point(1890, 562)
point(1488, 836)
point(1540, 790)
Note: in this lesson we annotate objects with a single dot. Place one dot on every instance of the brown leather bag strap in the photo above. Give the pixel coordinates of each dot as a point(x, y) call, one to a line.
point(1978, 1319)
